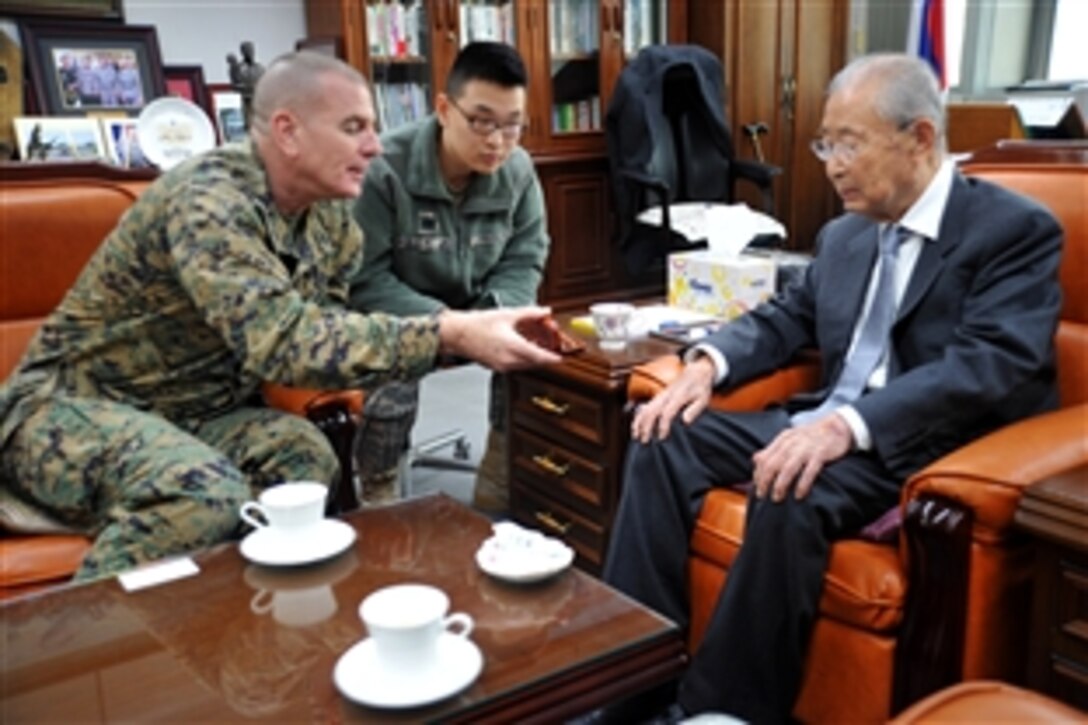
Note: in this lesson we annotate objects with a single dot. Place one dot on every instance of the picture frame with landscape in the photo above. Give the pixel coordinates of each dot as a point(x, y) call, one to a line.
point(80, 67)
point(46, 138)
point(227, 112)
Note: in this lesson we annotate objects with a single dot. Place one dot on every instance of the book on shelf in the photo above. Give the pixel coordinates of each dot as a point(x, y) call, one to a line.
point(487, 21)
point(400, 103)
point(393, 28)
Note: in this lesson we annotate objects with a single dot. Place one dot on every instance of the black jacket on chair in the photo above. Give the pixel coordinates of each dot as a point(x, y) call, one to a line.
point(668, 142)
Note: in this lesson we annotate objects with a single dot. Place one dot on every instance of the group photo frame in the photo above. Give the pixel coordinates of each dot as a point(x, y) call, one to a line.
point(75, 68)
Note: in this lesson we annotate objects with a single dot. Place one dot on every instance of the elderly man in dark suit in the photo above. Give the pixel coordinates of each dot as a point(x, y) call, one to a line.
point(933, 301)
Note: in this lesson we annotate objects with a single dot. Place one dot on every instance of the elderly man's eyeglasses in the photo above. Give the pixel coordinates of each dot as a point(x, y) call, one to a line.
point(485, 126)
point(845, 150)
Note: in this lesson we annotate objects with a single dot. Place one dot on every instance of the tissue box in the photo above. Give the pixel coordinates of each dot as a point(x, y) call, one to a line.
point(718, 285)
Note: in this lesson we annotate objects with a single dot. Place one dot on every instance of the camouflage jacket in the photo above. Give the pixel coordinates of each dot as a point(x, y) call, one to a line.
point(203, 290)
point(425, 250)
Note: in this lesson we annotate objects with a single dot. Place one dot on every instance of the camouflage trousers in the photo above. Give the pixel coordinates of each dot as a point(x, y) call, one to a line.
point(146, 488)
point(389, 412)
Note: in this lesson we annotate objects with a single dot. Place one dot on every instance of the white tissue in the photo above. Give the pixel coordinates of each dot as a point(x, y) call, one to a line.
point(727, 228)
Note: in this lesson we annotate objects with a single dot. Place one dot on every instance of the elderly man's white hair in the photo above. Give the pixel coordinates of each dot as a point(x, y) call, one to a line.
point(907, 88)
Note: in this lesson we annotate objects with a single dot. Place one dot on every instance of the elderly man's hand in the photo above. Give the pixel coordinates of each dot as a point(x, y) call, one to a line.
point(491, 337)
point(797, 455)
point(687, 396)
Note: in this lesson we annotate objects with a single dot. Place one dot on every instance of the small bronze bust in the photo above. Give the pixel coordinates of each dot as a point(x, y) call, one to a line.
point(244, 73)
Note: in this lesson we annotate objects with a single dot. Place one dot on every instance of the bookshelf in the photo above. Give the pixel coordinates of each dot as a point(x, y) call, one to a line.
point(573, 49)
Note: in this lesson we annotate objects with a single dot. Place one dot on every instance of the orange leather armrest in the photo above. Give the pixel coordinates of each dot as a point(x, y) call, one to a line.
point(989, 475)
point(987, 701)
point(301, 401)
point(648, 379)
point(40, 558)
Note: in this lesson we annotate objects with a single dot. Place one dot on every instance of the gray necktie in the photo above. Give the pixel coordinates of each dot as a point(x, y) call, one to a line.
point(874, 336)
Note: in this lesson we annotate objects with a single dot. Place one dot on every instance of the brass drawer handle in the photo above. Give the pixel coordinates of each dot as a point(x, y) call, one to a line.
point(556, 469)
point(550, 406)
point(546, 518)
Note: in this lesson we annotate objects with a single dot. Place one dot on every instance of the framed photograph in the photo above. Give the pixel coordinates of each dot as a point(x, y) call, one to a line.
point(123, 143)
point(227, 112)
point(187, 81)
point(45, 138)
point(76, 67)
point(111, 9)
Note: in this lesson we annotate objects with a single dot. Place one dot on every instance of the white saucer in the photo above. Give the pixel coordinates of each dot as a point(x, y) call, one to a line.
point(316, 543)
point(171, 129)
point(520, 565)
point(360, 676)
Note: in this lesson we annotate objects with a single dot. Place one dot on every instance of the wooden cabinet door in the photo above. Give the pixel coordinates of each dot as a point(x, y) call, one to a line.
point(779, 56)
point(580, 263)
point(577, 51)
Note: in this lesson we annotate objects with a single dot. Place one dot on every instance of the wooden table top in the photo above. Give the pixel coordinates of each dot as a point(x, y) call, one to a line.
point(195, 649)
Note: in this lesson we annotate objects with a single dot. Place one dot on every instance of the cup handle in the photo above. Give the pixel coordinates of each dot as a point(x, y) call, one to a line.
point(249, 508)
point(261, 603)
point(459, 619)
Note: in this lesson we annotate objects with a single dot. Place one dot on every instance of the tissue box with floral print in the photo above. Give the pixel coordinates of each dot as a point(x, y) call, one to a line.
point(719, 285)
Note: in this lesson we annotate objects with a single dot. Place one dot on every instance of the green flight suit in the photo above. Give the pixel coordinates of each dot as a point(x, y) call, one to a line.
point(135, 413)
point(428, 249)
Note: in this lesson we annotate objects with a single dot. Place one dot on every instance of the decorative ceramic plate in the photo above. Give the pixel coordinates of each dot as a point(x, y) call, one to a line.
point(173, 129)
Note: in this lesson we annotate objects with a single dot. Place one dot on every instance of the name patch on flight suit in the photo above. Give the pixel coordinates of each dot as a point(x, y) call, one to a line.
point(427, 222)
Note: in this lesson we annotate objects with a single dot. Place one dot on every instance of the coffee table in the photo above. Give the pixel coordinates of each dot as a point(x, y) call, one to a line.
point(234, 643)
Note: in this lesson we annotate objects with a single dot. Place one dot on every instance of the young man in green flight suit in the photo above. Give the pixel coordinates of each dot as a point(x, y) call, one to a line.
point(454, 217)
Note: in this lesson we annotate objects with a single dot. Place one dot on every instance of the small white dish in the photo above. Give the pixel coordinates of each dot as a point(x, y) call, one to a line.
point(315, 543)
point(522, 556)
point(360, 676)
point(171, 129)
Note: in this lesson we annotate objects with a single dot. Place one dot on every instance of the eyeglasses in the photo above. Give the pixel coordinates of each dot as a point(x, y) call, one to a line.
point(484, 126)
point(845, 151)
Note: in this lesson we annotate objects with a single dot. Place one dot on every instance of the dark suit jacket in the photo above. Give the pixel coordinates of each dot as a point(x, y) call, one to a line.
point(972, 345)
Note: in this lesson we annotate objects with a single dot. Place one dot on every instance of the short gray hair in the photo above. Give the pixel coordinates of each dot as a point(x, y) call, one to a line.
point(293, 81)
point(907, 89)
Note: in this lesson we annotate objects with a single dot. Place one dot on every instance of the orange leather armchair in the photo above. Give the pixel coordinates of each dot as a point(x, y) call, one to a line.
point(948, 600)
point(53, 218)
point(988, 701)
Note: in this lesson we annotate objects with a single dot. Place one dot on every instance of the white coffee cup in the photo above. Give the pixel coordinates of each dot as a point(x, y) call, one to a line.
point(611, 320)
point(287, 507)
point(296, 607)
point(405, 621)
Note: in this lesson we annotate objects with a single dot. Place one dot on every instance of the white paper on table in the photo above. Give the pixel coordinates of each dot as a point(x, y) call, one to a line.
point(650, 317)
point(728, 228)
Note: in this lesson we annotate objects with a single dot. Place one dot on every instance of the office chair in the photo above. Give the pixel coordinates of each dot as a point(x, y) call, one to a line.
point(668, 142)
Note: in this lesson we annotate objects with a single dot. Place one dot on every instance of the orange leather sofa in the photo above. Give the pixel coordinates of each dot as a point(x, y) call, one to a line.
point(948, 599)
point(52, 219)
point(985, 701)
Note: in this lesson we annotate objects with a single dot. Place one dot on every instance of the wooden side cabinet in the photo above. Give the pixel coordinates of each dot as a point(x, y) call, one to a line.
point(1055, 512)
point(569, 429)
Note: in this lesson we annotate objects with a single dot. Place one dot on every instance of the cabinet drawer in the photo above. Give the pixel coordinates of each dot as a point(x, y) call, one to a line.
point(1070, 615)
point(531, 508)
point(566, 476)
point(546, 407)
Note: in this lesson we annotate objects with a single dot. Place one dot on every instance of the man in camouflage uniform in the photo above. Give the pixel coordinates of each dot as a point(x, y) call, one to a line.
point(134, 414)
point(454, 218)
